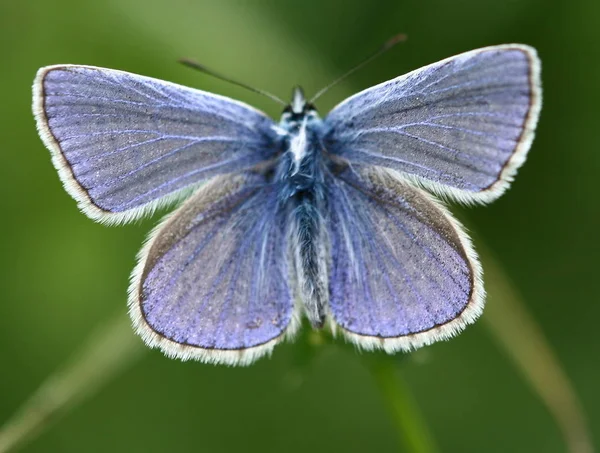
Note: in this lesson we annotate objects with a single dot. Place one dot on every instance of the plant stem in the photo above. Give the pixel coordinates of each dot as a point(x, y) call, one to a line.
point(104, 356)
point(518, 333)
point(413, 433)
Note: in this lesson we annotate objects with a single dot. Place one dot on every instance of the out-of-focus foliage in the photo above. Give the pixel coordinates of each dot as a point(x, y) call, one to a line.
point(61, 274)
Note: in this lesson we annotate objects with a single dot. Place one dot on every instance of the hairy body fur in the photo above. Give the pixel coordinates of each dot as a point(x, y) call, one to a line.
point(300, 170)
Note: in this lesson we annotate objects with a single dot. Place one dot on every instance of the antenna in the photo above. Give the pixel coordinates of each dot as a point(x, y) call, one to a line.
point(401, 37)
point(195, 65)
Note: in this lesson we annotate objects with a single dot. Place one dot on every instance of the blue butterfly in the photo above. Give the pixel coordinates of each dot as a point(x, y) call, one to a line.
point(330, 218)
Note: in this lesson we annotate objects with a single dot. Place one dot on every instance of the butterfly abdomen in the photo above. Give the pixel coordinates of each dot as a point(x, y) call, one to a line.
point(309, 255)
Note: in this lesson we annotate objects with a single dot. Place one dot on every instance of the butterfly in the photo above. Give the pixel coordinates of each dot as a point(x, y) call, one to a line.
point(334, 219)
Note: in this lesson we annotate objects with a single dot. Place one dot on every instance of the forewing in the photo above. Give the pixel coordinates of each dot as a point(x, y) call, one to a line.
point(212, 282)
point(460, 127)
point(124, 144)
point(403, 273)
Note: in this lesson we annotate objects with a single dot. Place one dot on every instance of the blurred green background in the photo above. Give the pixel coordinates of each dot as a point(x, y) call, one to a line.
point(62, 275)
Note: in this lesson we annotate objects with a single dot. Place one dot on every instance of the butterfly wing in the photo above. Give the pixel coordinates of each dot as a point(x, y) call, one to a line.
point(124, 144)
point(403, 273)
point(212, 282)
point(460, 127)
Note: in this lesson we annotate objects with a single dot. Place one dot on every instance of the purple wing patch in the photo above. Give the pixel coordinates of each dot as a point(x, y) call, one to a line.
point(402, 272)
point(213, 281)
point(124, 142)
point(461, 127)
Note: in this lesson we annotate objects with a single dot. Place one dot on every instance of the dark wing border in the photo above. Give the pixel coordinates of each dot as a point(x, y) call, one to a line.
point(173, 349)
point(519, 154)
point(65, 172)
point(471, 312)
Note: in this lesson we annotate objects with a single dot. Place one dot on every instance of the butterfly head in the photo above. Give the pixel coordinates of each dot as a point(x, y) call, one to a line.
point(298, 108)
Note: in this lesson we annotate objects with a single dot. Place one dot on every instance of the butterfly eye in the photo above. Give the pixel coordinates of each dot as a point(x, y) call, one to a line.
point(287, 109)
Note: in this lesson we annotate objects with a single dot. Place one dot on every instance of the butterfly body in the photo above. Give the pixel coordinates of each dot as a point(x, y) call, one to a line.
point(328, 218)
point(301, 172)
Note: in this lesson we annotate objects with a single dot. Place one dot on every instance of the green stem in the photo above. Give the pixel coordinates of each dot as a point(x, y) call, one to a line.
point(411, 428)
point(107, 353)
point(518, 333)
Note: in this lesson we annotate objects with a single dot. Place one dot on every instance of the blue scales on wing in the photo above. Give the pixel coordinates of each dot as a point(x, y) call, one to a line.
point(124, 143)
point(213, 283)
point(402, 272)
point(460, 127)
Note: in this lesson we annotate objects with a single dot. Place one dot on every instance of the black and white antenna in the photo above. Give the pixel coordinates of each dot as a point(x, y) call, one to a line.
point(200, 67)
point(401, 37)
